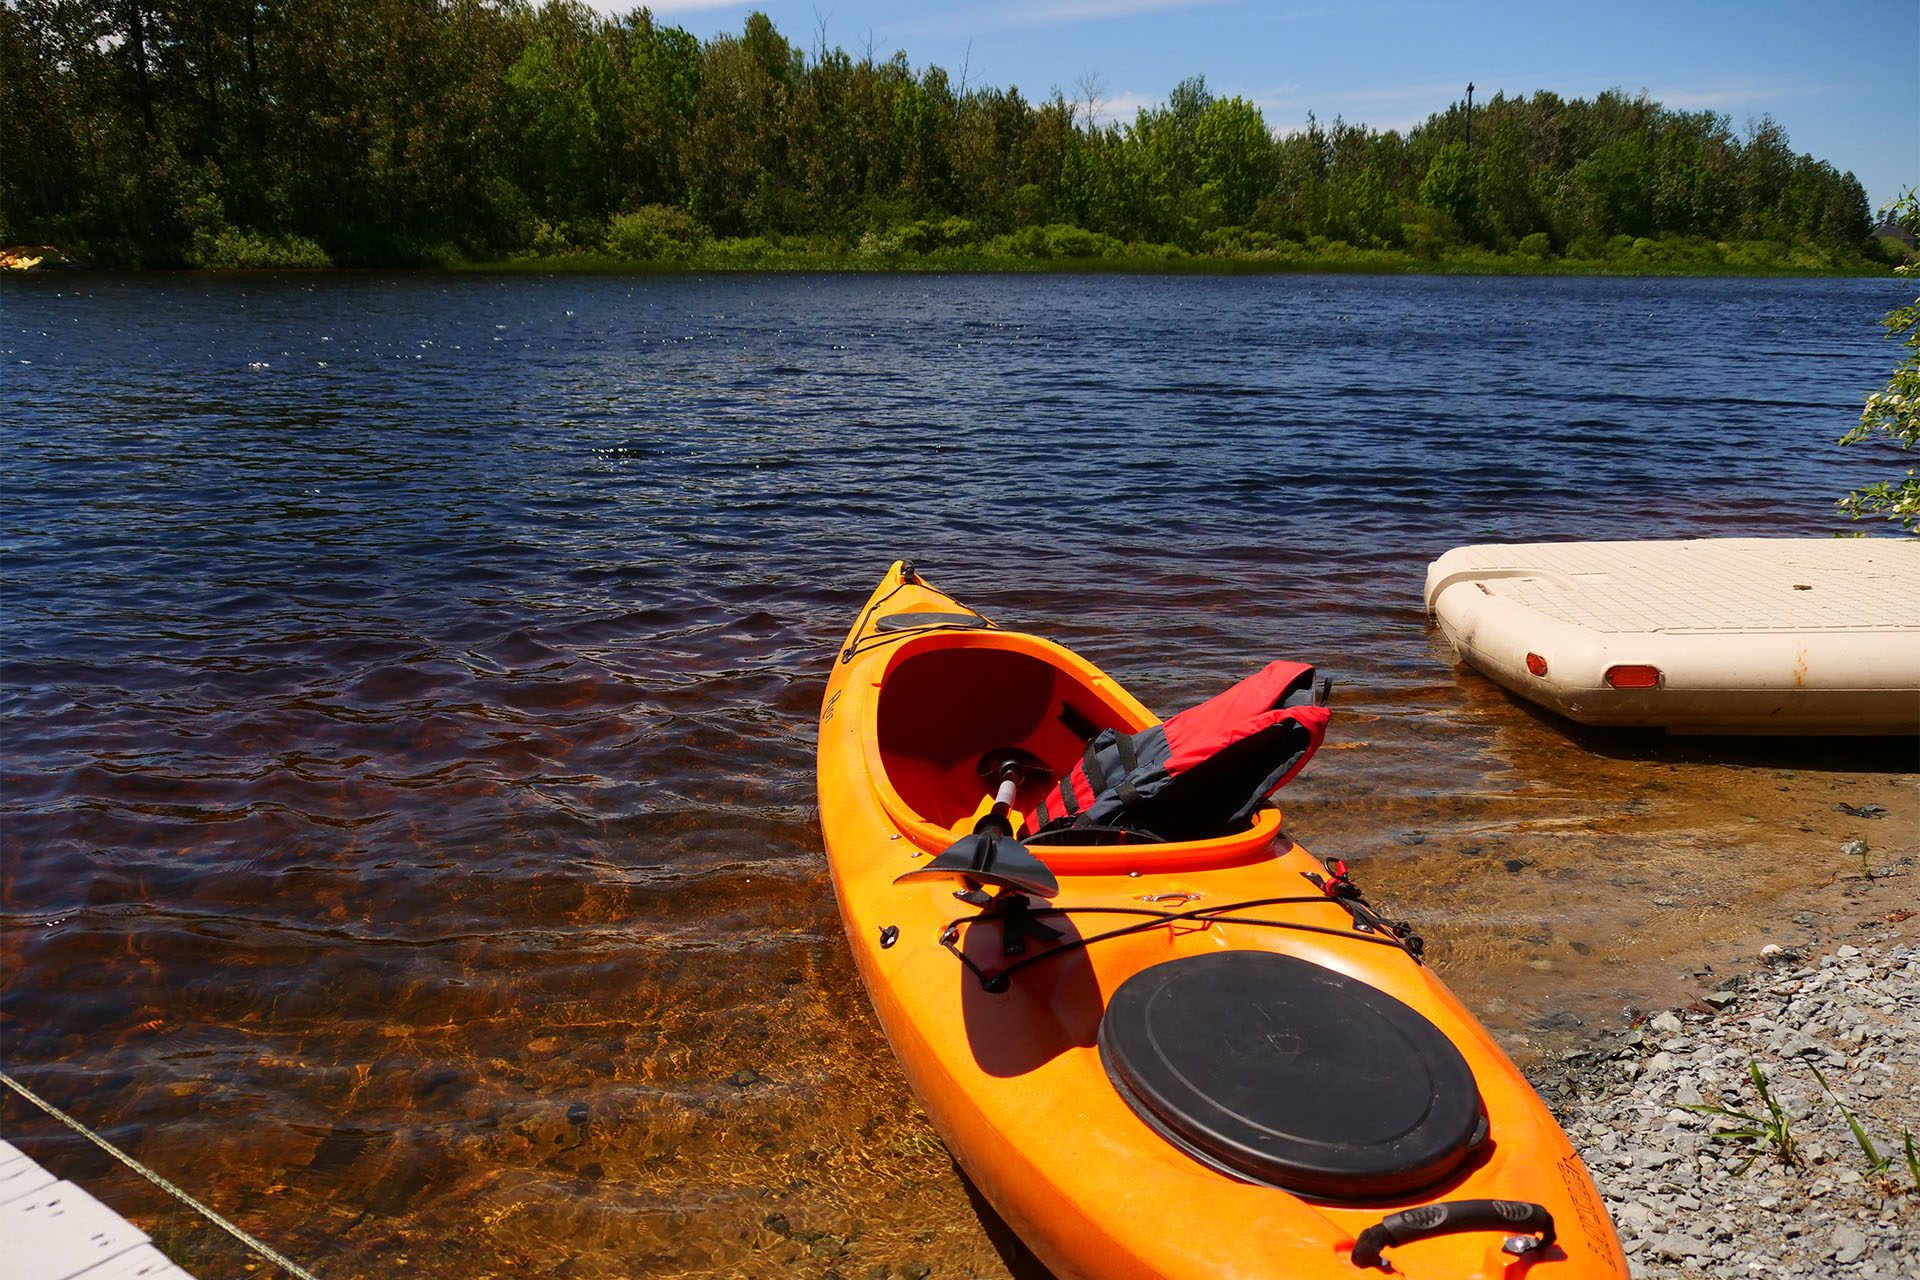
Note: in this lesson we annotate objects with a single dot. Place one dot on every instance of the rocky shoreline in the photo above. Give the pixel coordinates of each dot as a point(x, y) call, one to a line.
point(1692, 1199)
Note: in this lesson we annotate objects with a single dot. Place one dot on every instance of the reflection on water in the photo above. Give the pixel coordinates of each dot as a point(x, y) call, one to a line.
point(410, 685)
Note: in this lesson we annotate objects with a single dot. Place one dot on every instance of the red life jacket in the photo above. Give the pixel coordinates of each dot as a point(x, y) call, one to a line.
point(1200, 774)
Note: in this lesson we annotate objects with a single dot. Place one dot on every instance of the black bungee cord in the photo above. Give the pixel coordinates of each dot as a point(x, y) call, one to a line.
point(1016, 916)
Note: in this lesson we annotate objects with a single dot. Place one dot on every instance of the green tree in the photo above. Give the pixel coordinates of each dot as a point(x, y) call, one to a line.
point(1299, 204)
point(1764, 169)
point(1680, 188)
point(1366, 207)
point(1507, 180)
point(655, 109)
point(1234, 160)
point(1452, 185)
point(183, 132)
point(562, 98)
point(1620, 175)
point(736, 155)
point(1162, 155)
point(1892, 414)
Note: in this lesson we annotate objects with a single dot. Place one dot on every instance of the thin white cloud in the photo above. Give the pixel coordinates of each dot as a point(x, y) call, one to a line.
point(1440, 94)
point(1123, 107)
point(1045, 13)
point(999, 15)
point(1726, 96)
point(1403, 107)
point(1083, 10)
point(663, 7)
point(1399, 108)
point(1283, 123)
point(1285, 107)
point(983, 18)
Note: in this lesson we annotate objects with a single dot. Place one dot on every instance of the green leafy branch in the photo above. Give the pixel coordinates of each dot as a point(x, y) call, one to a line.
point(1893, 412)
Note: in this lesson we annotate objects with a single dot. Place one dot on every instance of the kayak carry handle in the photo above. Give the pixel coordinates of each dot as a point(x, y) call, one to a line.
point(1449, 1216)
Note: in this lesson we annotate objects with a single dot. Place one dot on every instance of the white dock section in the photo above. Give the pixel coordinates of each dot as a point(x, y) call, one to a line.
point(1711, 635)
point(52, 1230)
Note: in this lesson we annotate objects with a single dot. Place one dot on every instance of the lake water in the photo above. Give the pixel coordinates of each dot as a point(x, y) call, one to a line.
point(410, 688)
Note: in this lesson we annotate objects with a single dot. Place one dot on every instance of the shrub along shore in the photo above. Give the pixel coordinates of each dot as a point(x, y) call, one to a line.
point(1068, 249)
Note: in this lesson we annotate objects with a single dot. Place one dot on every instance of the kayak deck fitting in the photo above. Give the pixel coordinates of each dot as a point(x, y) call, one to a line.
point(1188, 1058)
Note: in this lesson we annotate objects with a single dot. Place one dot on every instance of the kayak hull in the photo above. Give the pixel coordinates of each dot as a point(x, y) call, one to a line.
point(1013, 1079)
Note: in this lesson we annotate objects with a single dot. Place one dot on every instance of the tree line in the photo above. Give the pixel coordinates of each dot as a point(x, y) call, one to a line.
point(390, 132)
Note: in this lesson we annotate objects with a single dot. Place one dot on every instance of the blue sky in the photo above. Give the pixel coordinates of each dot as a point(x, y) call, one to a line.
point(1843, 77)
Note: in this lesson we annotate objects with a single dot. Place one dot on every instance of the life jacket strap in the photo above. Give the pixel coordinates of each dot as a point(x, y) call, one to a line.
point(1090, 763)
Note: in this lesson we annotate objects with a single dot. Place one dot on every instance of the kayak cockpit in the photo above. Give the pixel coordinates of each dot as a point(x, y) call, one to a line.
point(948, 702)
point(941, 709)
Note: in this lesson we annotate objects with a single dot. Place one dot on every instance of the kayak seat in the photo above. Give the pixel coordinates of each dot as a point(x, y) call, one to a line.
point(1284, 1073)
point(941, 710)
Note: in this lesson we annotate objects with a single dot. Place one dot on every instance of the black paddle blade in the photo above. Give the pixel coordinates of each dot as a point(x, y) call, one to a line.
point(987, 858)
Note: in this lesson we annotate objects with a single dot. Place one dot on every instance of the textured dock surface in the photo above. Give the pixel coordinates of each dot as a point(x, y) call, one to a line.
point(1737, 585)
point(55, 1231)
point(1800, 636)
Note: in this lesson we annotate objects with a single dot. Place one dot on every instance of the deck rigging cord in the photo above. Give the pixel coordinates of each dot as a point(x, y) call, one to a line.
point(260, 1247)
point(1021, 917)
point(908, 578)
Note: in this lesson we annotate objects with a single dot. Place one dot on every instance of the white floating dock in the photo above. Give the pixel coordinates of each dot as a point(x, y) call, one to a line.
point(52, 1230)
point(1717, 635)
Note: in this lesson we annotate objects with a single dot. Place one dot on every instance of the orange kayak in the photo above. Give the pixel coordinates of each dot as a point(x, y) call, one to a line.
point(1199, 1059)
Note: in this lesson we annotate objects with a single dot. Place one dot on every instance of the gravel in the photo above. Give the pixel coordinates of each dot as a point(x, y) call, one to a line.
point(1692, 1201)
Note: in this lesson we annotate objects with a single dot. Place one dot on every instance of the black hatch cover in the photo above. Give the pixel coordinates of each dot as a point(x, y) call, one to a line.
point(1284, 1072)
